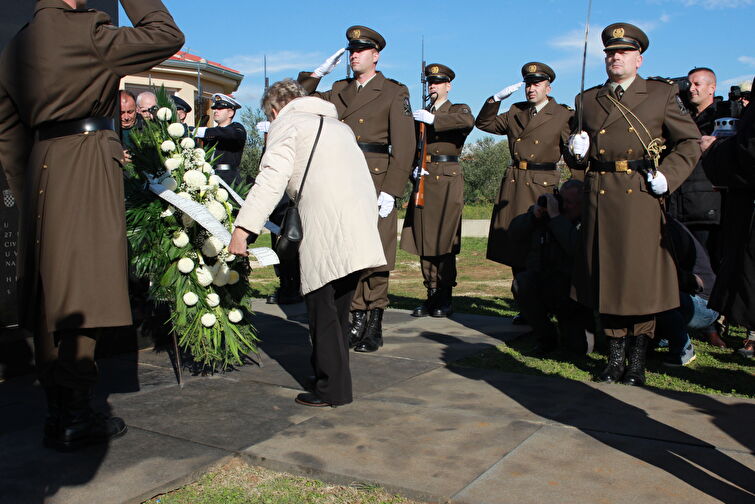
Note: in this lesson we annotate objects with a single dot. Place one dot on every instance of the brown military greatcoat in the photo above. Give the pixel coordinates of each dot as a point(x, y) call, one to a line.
point(623, 266)
point(66, 65)
point(436, 229)
point(379, 114)
point(539, 139)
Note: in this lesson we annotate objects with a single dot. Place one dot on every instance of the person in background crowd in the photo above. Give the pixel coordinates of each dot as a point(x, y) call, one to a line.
point(745, 89)
point(228, 137)
point(182, 108)
point(434, 231)
point(146, 104)
point(64, 162)
point(339, 212)
point(551, 233)
point(538, 130)
point(622, 269)
point(130, 120)
point(729, 162)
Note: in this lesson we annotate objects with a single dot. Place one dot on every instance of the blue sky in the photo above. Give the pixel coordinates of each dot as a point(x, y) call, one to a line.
point(485, 42)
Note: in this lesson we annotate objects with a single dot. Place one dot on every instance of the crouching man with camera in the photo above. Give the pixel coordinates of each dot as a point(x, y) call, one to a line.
point(550, 229)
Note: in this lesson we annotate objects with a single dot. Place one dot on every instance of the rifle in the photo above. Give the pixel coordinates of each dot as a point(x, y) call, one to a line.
point(419, 188)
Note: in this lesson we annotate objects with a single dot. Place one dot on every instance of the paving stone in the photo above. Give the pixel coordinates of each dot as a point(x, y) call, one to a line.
point(564, 465)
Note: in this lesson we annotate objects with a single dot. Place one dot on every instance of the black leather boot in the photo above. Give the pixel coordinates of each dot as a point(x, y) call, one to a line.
point(616, 356)
point(80, 425)
point(52, 394)
point(358, 324)
point(373, 335)
point(428, 305)
point(638, 350)
point(272, 298)
point(444, 307)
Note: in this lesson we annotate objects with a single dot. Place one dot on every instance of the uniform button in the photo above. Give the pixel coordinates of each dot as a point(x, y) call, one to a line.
point(86, 132)
point(518, 139)
point(37, 242)
point(532, 156)
point(375, 169)
point(359, 137)
point(361, 121)
point(453, 173)
point(41, 191)
point(545, 183)
point(602, 151)
point(602, 191)
point(343, 120)
point(39, 217)
point(602, 173)
point(631, 129)
point(526, 183)
point(629, 151)
point(44, 166)
point(512, 181)
point(629, 171)
point(602, 132)
point(437, 177)
point(629, 191)
point(537, 142)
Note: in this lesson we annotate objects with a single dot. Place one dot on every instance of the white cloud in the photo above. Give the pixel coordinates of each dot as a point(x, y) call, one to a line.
point(250, 64)
point(723, 86)
point(747, 60)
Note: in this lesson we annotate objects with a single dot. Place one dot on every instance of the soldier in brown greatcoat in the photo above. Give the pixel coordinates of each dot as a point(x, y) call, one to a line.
point(623, 269)
point(538, 131)
point(434, 232)
point(378, 111)
point(58, 97)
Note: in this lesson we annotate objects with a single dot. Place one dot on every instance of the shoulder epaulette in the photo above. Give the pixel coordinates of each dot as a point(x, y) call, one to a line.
point(347, 80)
point(567, 107)
point(394, 81)
point(661, 79)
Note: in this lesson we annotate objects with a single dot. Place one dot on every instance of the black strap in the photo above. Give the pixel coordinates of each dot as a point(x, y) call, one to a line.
point(620, 166)
point(50, 130)
point(375, 148)
point(443, 159)
point(311, 155)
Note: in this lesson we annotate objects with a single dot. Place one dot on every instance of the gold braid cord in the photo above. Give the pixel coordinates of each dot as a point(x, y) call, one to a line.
point(655, 146)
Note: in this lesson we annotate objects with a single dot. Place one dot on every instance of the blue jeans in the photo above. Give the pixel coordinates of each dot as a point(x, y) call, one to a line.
point(693, 313)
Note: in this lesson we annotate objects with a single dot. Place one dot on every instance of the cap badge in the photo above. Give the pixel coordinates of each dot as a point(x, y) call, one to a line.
point(532, 68)
point(434, 69)
point(356, 33)
point(618, 32)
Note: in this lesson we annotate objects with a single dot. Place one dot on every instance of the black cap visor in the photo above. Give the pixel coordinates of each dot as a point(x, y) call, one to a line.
point(626, 44)
point(361, 44)
point(534, 78)
point(437, 79)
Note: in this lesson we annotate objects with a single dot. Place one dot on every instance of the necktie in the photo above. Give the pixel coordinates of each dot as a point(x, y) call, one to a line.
point(619, 92)
point(533, 112)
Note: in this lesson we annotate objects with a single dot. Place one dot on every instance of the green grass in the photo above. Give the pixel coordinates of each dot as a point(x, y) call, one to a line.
point(239, 483)
point(471, 211)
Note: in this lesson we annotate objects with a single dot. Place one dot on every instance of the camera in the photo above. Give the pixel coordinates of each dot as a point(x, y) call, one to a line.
point(542, 201)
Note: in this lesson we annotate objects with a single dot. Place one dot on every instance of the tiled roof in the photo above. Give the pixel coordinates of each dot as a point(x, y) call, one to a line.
point(185, 56)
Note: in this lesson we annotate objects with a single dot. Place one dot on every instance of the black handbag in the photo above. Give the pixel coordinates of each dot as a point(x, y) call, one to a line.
point(289, 239)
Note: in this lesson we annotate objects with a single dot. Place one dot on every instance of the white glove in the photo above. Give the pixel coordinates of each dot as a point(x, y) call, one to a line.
point(424, 116)
point(329, 64)
point(658, 184)
point(385, 204)
point(263, 126)
point(201, 131)
point(579, 144)
point(416, 173)
point(507, 91)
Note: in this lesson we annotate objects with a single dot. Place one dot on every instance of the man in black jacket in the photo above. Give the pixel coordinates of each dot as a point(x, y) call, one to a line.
point(228, 137)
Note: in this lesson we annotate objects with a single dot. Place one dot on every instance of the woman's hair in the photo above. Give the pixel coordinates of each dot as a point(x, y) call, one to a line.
point(279, 95)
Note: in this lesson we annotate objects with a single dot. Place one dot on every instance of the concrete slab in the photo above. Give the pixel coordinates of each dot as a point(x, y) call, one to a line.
point(128, 469)
point(564, 465)
point(431, 453)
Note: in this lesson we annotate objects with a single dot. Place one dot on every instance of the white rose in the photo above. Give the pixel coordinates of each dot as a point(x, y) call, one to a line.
point(195, 179)
point(185, 265)
point(168, 146)
point(212, 247)
point(221, 195)
point(235, 315)
point(217, 210)
point(170, 184)
point(180, 239)
point(168, 211)
point(190, 299)
point(208, 320)
point(207, 168)
point(199, 153)
point(176, 130)
point(187, 221)
point(214, 180)
point(187, 143)
point(233, 277)
point(212, 300)
point(221, 273)
point(172, 164)
point(164, 114)
point(204, 276)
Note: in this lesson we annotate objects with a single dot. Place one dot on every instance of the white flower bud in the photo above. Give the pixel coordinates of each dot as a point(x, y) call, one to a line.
point(190, 299)
point(221, 273)
point(208, 320)
point(199, 153)
point(176, 130)
point(170, 184)
point(235, 315)
point(204, 276)
point(168, 146)
point(185, 265)
point(195, 179)
point(172, 164)
point(207, 168)
point(214, 180)
point(164, 114)
point(187, 143)
point(212, 247)
point(233, 277)
point(212, 300)
point(180, 239)
point(217, 210)
point(221, 195)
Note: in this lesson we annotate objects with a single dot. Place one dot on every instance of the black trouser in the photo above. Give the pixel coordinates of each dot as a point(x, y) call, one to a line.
point(439, 272)
point(328, 310)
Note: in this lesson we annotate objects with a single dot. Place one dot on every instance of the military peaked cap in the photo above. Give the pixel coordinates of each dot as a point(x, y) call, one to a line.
point(361, 38)
point(534, 71)
point(181, 104)
point(624, 36)
point(436, 72)
point(221, 101)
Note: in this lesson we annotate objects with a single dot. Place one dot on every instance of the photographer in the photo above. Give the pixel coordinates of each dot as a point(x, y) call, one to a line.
point(550, 229)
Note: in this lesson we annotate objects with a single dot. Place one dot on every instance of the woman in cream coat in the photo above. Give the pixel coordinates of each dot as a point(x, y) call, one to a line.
point(339, 212)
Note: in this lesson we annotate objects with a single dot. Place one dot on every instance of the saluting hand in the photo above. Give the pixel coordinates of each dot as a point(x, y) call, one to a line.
point(329, 64)
point(424, 116)
point(507, 91)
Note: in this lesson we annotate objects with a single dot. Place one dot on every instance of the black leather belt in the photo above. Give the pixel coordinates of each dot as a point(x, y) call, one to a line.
point(49, 130)
point(376, 148)
point(442, 159)
point(620, 166)
point(526, 165)
point(223, 167)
